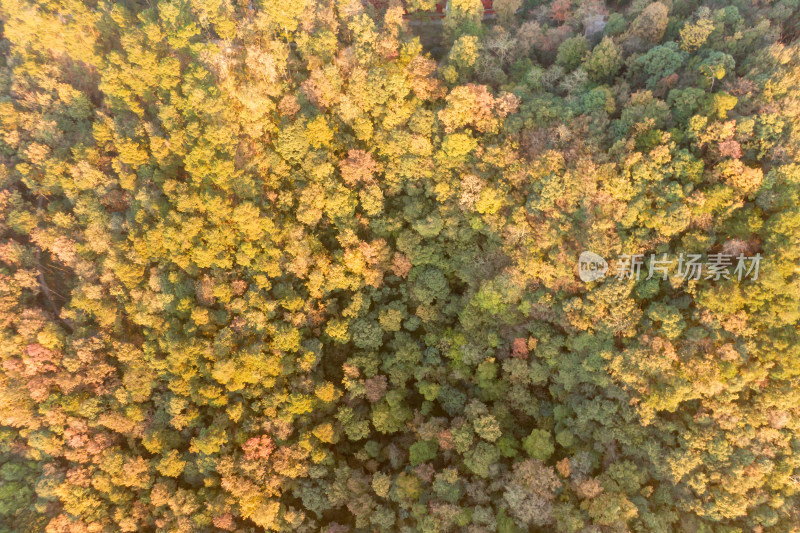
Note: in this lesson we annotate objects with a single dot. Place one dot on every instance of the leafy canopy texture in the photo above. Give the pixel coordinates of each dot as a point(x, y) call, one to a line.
point(294, 265)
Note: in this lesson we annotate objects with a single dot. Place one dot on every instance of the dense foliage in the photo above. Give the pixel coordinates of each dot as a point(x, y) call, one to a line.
point(290, 265)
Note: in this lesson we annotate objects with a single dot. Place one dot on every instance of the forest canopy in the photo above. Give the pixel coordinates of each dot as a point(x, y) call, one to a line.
point(298, 265)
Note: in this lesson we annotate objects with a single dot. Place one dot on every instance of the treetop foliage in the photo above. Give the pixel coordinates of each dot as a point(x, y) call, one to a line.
point(312, 266)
